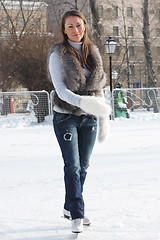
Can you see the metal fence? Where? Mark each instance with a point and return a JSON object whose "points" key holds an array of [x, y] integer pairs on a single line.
{"points": [[36, 106], [128, 100], [51, 101]]}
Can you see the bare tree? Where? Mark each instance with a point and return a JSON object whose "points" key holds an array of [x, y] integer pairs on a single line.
{"points": [[147, 46], [21, 18], [97, 27], [26, 65], [127, 42], [148, 54], [57, 8], [123, 39], [24, 52]]}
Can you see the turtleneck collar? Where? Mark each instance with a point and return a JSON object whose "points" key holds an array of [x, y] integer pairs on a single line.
{"points": [[78, 48], [75, 45]]}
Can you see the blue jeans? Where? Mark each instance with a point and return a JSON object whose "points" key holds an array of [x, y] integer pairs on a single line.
{"points": [[76, 137]]}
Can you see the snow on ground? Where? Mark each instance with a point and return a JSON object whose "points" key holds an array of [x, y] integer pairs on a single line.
{"points": [[122, 191]]}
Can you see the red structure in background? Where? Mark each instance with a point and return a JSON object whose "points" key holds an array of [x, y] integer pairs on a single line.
{"points": [[12, 105]]}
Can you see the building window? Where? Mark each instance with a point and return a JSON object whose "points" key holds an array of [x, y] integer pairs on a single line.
{"points": [[115, 31], [157, 32], [130, 31], [117, 51], [132, 70], [129, 12], [131, 51], [115, 11], [158, 70], [142, 12], [109, 12], [158, 14], [100, 10]]}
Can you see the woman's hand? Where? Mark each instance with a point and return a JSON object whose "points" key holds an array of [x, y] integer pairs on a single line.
{"points": [[95, 106]]}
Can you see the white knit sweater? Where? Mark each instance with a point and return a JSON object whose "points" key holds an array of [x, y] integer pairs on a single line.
{"points": [[62, 91]]}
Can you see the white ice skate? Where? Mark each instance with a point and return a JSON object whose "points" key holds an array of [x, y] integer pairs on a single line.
{"points": [[77, 225], [86, 221]]}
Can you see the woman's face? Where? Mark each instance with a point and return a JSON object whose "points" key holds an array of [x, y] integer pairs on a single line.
{"points": [[74, 28]]}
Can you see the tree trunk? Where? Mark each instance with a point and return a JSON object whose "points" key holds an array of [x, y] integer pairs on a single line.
{"points": [[76, 6], [96, 24], [148, 56], [126, 43]]}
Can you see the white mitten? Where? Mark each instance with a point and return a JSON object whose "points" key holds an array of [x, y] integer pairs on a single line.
{"points": [[103, 128], [95, 106]]}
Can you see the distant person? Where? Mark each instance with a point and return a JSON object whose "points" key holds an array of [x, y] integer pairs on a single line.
{"points": [[76, 70]]}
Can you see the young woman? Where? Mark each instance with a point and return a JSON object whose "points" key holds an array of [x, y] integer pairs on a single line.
{"points": [[76, 70]]}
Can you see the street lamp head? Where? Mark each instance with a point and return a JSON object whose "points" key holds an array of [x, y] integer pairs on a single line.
{"points": [[110, 45]]}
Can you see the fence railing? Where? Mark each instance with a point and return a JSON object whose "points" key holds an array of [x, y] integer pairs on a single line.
{"points": [[125, 100], [37, 105]]}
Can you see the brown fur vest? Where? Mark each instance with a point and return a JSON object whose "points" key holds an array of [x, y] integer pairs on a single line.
{"points": [[75, 79]]}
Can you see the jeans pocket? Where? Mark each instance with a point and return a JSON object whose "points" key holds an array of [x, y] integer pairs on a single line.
{"points": [[61, 117], [93, 118]]}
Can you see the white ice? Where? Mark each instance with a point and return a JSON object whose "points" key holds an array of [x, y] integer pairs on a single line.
{"points": [[122, 190]]}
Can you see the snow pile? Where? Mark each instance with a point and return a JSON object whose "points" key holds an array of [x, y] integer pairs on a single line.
{"points": [[21, 120]]}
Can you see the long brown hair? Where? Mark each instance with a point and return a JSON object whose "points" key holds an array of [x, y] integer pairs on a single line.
{"points": [[87, 46]]}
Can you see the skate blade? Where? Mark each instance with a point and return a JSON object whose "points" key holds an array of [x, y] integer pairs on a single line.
{"points": [[76, 234], [69, 218]]}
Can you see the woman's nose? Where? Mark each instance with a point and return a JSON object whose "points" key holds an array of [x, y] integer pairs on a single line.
{"points": [[75, 29]]}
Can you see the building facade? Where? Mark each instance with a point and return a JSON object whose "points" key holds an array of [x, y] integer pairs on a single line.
{"points": [[123, 20]]}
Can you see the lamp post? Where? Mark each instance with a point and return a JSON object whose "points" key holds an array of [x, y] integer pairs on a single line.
{"points": [[110, 46], [114, 76]]}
